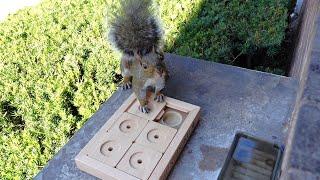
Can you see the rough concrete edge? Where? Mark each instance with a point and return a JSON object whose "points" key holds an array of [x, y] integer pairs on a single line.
{"points": [[299, 70], [229, 66], [303, 40], [294, 173]]}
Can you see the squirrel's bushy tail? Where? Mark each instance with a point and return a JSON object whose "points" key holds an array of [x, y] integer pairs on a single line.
{"points": [[135, 27]]}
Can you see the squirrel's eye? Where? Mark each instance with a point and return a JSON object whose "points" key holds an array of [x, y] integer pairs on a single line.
{"points": [[128, 52]]}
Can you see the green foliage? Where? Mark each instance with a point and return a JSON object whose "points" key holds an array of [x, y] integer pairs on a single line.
{"points": [[257, 24], [222, 30], [55, 71], [205, 34], [56, 67]]}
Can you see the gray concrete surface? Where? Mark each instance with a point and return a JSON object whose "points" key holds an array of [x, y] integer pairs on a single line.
{"points": [[303, 40], [302, 159], [232, 99]]}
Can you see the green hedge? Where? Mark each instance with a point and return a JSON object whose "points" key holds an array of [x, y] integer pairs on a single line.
{"points": [[56, 68], [222, 31]]}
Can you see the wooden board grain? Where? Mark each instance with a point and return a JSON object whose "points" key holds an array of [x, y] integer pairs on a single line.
{"points": [[141, 159]]}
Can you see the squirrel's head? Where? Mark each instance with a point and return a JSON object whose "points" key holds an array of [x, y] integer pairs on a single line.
{"points": [[151, 62]]}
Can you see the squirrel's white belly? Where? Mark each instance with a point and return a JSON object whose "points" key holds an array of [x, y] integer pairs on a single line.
{"points": [[157, 82]]}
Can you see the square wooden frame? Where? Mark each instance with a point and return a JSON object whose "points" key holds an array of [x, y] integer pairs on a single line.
{"points": [[169, 157]]}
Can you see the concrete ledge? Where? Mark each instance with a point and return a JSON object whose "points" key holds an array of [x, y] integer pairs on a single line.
{"points": [[232, 99], [304, 39], [302, 156]]}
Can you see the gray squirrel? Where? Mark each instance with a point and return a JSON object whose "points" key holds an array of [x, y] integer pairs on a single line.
{"points": [[136, 33]]}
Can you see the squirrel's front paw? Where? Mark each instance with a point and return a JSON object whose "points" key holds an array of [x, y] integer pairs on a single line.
{"points": [[144, 109], [125, 85], [159, 98]]}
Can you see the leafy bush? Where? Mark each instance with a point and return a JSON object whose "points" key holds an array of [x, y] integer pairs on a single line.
{"points": [[55, 71], [257, 24], [221, 31], [56, 68]]}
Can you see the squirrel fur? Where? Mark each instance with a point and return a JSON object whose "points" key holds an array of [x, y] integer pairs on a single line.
{"points": [[136, 33]]}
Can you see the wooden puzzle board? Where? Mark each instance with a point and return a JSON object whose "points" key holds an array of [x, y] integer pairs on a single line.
{"points": [[133, 145]]}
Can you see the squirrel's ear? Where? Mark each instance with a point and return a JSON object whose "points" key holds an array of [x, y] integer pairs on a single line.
{"points": [[137, 57]]}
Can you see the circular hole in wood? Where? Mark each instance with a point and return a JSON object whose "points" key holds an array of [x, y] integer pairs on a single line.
{"points": [[172, 119], [136, 159], [108, 148], [128, 126], [153, 135]]}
